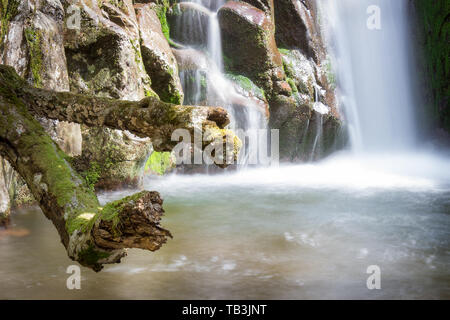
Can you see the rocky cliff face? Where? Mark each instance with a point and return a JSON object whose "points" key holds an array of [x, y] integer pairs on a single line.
{"points": [[128, 49], [278, 45]]}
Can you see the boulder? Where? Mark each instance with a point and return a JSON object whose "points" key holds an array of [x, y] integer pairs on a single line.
{"points": [[193, 66], [265, 5], [104, 58], [157, 56], [248, 39]]}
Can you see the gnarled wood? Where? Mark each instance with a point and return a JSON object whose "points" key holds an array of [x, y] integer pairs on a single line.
{"points": [[92, 234], [148, 117]]}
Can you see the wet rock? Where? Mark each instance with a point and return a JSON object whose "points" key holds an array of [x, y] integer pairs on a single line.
{"points": [[13, 191], [190, 59], [249, 45], [104, 55], [296, 27], [33, 45], [248, 93], [189, 23], [309, 123], [112, 159], [193, 68], [158, 58]]}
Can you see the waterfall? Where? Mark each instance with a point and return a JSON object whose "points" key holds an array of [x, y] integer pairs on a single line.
{"points": [[371, 60], [208, 84]]}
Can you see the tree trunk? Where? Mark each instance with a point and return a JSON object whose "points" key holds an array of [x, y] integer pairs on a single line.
{"points": [[93, 235]]}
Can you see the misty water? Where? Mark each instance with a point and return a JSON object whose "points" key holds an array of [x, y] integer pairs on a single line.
{"points": [[304, 231], [296, 232]]}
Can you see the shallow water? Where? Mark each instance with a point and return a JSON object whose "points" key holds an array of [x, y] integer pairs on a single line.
{"points": [[299, 232]]}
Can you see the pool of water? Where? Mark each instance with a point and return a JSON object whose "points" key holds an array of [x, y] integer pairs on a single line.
{"points": [[297, 232]]}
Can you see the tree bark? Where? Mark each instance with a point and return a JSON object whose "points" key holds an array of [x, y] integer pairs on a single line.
{"points": [[93, 235]]}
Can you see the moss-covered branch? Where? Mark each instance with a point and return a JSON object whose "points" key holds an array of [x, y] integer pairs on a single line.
{"points": [[149, 117], [93, 235]]}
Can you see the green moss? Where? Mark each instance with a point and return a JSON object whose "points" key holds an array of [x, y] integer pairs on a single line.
{"points": [[159, 163], [246, 84], [161, 12], [331, 76], [47, 155], [137, 51], [82, 222], [8, 10], [151, 93], [33, 38], [283, 51], [92, 175], [292, 85], [173, 96]]}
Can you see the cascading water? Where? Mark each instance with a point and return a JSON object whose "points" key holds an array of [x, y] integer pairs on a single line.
{"points": [[207, 84], [372, 67]]}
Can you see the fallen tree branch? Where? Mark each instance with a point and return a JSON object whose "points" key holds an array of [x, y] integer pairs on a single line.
{"points": [[148, 117], [92, 234]]}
